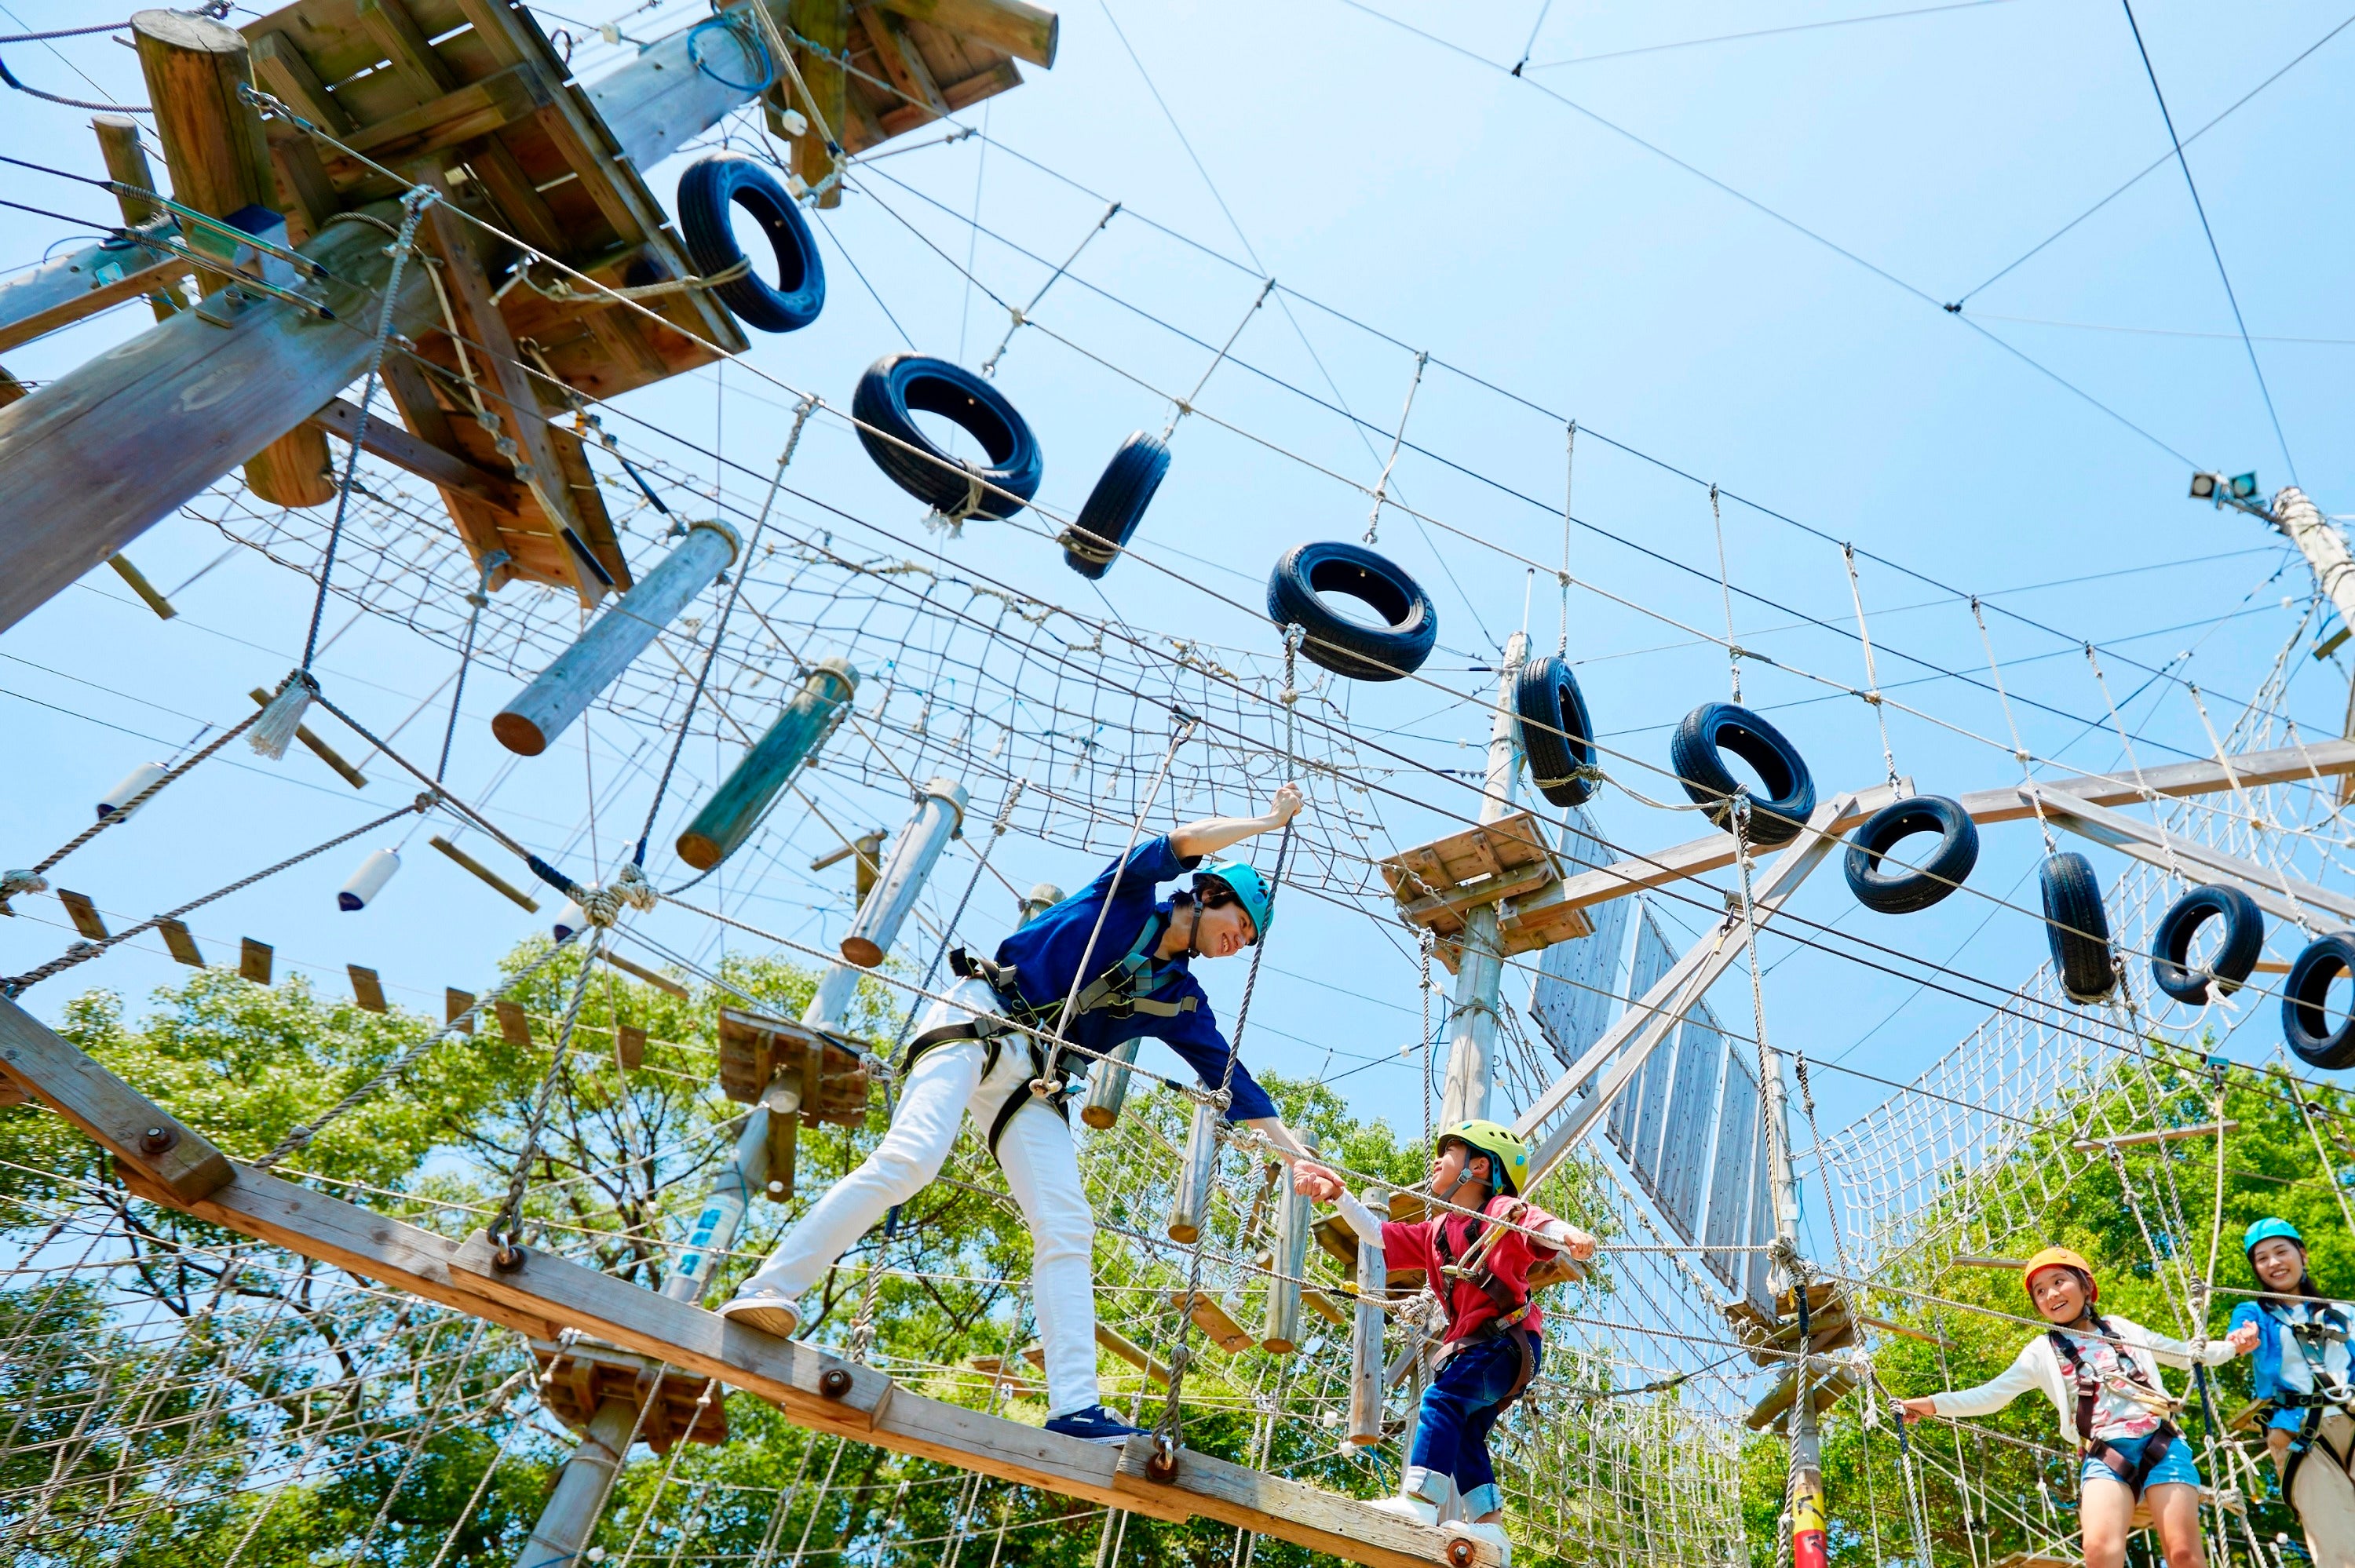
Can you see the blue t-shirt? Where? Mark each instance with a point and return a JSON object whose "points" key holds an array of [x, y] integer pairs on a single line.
{"points": [[1046, 954], [2269, 1377]]}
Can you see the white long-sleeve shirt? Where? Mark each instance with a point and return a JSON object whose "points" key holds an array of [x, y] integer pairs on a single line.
{"points": [[2037, 1367]]}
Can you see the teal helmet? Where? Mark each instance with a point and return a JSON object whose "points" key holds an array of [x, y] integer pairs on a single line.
{"points": [[2267, 1229], [1250, 891]]}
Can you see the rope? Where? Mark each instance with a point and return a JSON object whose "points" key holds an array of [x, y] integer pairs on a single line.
{"points": [[2018, 750], [1872, 678], [82, 952], [9, 77], [120, 814], [1382, 484], [1185, 406], [506, 1231], [477, 601], [1569, 477], [1725, 591]]}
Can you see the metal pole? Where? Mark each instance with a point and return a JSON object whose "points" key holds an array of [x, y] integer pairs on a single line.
{"points": [[571, 1514], [1480, 974], [1805, 1514], [2322, 544]]}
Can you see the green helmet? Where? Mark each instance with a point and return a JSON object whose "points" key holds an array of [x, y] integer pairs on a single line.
{"points": [[2267, 1229], [1509, 1154], [1250, 892]]}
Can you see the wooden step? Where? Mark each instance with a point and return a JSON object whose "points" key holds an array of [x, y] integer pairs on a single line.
{"points": [[1506, 864], [575, 1379]]}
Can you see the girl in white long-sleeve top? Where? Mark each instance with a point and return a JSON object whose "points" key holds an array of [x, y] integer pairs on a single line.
{"points": [[2101, 1375]]}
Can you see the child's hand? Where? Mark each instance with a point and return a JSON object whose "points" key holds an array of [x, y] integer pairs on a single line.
{"points": [[1579, 1244], [1315, 1181], [1912, 1410], [2242, 1339]]}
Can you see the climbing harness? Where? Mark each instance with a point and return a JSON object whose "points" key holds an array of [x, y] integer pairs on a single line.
{"points": [[1513, 1307], [2134, 1473]]}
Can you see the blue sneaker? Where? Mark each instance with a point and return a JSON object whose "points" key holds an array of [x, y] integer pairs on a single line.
{"points": [[1095, 1425]]}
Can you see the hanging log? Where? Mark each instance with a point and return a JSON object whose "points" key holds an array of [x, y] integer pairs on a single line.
{"points": [[219, 160], [940, 817], [126, 164], [546, 708], [1280, 1334], [1190, 1209], [727, 820], [1108, 1085], [1366, 1367]]}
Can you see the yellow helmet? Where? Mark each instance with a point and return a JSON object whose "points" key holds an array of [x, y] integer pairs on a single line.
{"points": [[2060, 1258], [1509, 1154]]}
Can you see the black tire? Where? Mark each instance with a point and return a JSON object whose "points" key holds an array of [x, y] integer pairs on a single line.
{"points": [[899, 383], [1927, 878], [1556, 735], [2235, 961], [1335, 643], [1116, 506], [705, 192], [1723, 726], [2077, 929], [2305, 1019]]}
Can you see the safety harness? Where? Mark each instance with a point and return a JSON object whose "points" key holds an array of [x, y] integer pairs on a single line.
{"points": [[2134, 1473], [1513, 1305], [2313, 1339], [1124, 991]]}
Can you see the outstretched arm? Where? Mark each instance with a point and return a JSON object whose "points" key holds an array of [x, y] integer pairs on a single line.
{"points": [[1212, 834]]}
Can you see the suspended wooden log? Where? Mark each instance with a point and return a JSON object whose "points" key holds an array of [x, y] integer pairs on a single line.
{"points": [[1281, 1332], [1041, 897], [1366, 1349], [484, 872], [727, 820], [1189, 1211], [940, 817], [367, 881], [546, 708], [135, 783], [1108, 1085]]}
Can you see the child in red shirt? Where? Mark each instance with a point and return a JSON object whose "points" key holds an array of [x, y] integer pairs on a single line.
{"points": [[1491, 1347]]}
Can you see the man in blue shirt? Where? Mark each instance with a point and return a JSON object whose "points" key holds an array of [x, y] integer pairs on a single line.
{"points": [[1103, 968]]}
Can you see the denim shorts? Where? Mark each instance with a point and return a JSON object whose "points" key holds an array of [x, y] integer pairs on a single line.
{"points": [[2175, 1466]]}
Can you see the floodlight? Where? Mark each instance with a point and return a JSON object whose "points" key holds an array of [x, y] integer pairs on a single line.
{"points": [[2203, 487], [2244, 486]]}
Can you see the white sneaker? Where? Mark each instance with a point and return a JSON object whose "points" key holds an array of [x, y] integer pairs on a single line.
{"points": [[1494, 1534], [1413, 1510], [771, 1314]]}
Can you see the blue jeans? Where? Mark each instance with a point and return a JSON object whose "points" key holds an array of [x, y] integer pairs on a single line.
{"points": [[1451, 1435]]}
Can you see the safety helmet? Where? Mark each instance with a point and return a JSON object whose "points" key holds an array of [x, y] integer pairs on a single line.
{"points": [[2267, 1229], [2060, 1257], [1239, 878], [1508, 1153]]}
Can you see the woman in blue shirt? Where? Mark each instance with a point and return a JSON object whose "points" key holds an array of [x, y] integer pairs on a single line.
{"points": [[1103, 968], [2301, 1375]]}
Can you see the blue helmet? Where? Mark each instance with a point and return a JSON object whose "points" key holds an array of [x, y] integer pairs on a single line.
{"points": [[1250, 892], [2268, 1229]]}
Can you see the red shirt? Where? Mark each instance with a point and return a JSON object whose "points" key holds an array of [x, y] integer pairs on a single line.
{"points": [[1510, 1257]]}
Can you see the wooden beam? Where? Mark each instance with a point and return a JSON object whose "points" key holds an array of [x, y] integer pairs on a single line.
{"points": [[516, 398], [899, 59], [424, 458], [316, 747], [1023, 30], [461, 116], [172, 1160], [395, 32], [2280, 895], [93, 459], [287, 73], [484, 872], [480, 518], [2281, 765], [661, 982], [1003, 77], [60, 293], [826, 24], [126, 164], [219, 159]]}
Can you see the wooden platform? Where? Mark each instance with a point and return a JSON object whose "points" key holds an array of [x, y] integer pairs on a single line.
{"points": [[1505, 863], [469, 94], [575, 1379], [828, 1073], [544, 1296]]}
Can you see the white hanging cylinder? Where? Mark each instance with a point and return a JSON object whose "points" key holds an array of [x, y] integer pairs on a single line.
{"points": [[1366, 1367], [1038, 901], [1108, 1085], [367, 881], [545, 709], [1190, 1210], [1280, 1334], [117, 801], [571, 918], [940, 817]]}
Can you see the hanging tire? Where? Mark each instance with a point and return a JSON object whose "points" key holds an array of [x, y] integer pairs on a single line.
{"points": [[1116, 506], [1556, 735], [706, 191], [1927, 878], [900, 384], [2306, 1015], [1693, 756], [1387, 652], [2077, 929], [2236, 958]]}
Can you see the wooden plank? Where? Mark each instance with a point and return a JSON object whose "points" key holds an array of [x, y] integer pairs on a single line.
{"points": [[515, 1028], [455, 1004], [94, 458], [316, 747], [284, 71], [1004, 77], [1023, 30], [899, 59], [661, 982], [1127, 1350], [180, 942], [826, 24], [84, 914], [253, 961], [463, 114], [173, 1161], [126, 164], [1429, 909], [367, 989], [396, 33], [629, 1047], [1218, 1324], [71, 288], [484, 872], [480, 519], [446, 469]]}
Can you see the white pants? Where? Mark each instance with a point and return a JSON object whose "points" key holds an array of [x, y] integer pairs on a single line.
{"points": [[1040, 1167], [2325, 1498]]}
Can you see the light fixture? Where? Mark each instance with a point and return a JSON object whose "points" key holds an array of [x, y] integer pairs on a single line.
{"points": [[2203, 487], [2244, 486]]}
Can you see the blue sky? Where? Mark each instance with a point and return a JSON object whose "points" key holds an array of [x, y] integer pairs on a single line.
{"points": [[1726, 262]]}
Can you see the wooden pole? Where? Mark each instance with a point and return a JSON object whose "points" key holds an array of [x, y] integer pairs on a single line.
{"points": [[1108, 1086], [545, 709], [1023, 30], [1189, 1211], [727, 820], [1280, 1334], [1480, 977], [826, 24], [126, 164], [219, 160], [1365, 1347], [570, 1517], [940, 817], [92, 460]]}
